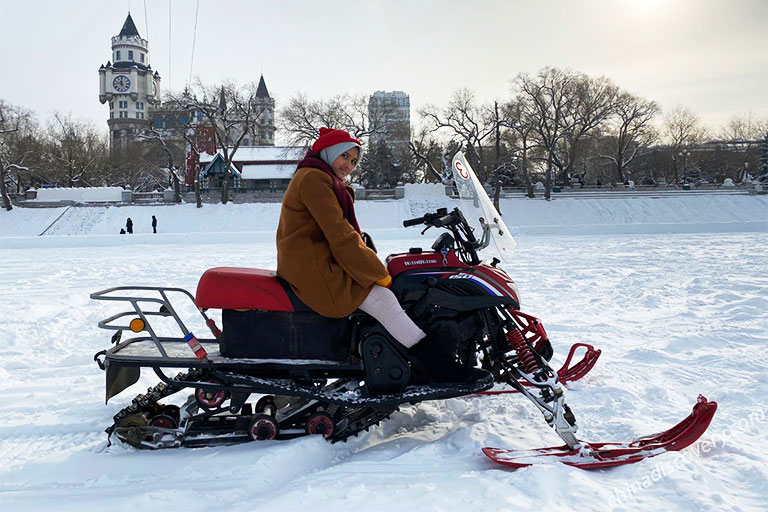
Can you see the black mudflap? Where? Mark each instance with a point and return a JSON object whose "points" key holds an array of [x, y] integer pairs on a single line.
{"points": [[270, 334], [119, 378]]}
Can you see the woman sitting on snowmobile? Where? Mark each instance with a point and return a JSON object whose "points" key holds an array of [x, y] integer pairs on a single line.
{"points": [[322, 255]]}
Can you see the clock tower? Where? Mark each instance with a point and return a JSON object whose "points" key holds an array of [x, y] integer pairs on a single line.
{"points": [[129, 85]]}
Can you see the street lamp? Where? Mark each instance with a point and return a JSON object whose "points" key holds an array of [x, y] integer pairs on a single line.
{"points": [[685, 154]]}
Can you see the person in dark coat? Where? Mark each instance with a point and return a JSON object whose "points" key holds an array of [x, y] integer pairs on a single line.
{"points": [[129, 226], [154, 224]]}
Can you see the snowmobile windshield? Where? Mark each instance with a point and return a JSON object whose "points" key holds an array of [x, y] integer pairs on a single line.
{"points": [[480, 212]]}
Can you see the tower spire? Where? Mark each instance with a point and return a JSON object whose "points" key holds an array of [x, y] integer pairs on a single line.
{"points": [[261, 90], [129, 27]]}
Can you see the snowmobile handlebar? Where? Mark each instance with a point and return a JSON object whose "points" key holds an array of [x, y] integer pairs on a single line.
{"points": [[439, 219], [455, 222], [413, 222]]}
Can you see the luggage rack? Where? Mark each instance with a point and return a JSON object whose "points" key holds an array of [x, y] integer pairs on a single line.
{"points": [[123, 361], [166, 310]]}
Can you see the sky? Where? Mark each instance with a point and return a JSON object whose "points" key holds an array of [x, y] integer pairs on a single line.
{"points": [[707, 55]]}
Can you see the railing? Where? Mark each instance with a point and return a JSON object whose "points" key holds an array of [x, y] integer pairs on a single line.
{"points": [[147, 197], [380, 193], [620, 190]]}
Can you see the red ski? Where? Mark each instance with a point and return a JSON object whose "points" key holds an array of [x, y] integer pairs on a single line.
{"points": [[603, 455], [565, 374]]}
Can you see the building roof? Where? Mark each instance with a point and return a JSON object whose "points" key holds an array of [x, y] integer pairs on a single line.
{"points": [[127, 64], [129, 28], [268, 171], [274, 154], [261, 90], [217, 168]]}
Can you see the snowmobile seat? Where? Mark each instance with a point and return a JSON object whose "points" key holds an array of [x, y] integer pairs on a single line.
{"points": [[263, 318], [242, 289]]}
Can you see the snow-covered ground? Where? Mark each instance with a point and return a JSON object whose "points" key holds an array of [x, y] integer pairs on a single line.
{"points": [[675, 315], [561, 216]]}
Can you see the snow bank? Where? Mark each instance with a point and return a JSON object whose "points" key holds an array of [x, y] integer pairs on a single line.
{"points": [[637, 215], [216, 223], [81, 194], [415, 190]]}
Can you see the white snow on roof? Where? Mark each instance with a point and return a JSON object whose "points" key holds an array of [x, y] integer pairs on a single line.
{"points": [[263, 154], [268, 171]]}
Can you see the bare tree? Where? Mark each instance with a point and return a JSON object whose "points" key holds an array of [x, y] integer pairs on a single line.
{"points": [[15, 124], [427, 156], [745, 126], [521, 134], [232, 112], [681, 129], [196, 145], [464, 119], [173, 171], [136, 166], [550, 100], [593, 102], [302, 118], [76, 149], [630, 130]]}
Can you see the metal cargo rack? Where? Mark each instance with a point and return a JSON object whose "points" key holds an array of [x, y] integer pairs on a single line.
{"points": [[123, 361]]}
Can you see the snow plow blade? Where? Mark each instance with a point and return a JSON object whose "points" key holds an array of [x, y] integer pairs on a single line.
{"points": [[565, 374], [604, 455]]}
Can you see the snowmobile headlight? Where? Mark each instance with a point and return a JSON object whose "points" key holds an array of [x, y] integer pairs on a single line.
{"points": [[137, 325]]}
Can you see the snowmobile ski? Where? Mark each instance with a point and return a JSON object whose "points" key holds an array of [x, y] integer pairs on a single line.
{"points": [[604, 455]]}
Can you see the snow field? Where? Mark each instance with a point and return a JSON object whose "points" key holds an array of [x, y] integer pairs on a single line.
{"points": [[525, 217], [675, 315]]}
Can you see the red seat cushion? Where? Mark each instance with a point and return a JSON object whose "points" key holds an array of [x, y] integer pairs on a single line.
{"points": [[241, 288]]}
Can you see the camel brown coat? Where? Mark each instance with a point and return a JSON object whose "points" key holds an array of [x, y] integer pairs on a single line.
{"points": [[319, 253]]}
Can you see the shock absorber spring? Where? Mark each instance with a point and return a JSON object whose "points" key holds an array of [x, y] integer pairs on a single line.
{"points": [[523, 351]]}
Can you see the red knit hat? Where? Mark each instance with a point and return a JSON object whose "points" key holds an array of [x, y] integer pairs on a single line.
{"points": [[329, 137]]}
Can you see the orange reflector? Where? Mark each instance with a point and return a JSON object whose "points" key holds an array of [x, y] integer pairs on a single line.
{"points": [[137, 325]]}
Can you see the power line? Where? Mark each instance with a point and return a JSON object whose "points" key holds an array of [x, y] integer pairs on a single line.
{"points": [[169, 44], [194, 37], [146, 23]]}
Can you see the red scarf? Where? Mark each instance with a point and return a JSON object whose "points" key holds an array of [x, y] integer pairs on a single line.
{"points": [[339, 189]]}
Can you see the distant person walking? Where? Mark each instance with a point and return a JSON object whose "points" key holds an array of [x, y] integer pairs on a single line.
{"points": [[129, 226], [154, 224]]}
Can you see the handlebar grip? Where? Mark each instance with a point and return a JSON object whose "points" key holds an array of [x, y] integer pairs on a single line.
{"points": [[413, 222]]}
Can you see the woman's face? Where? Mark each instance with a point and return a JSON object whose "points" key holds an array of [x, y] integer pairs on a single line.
{"points": [[345, 163]]}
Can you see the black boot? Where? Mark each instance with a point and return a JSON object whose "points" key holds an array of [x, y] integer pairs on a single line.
{"points": [[436, 355]]}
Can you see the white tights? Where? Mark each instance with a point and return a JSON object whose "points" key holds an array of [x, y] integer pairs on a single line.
{"points": [[382, 305]]}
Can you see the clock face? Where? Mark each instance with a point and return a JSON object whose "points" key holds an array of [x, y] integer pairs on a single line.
{"points": [[121, 83]]}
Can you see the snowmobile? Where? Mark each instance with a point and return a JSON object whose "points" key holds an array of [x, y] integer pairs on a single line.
{"points": [[278, 370]]}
